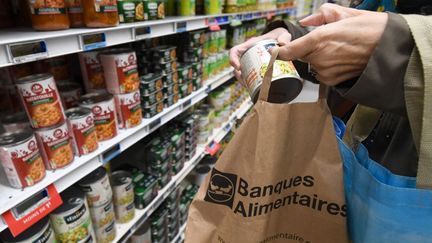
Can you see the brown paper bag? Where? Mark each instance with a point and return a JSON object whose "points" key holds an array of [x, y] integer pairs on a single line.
{"points": [[278, 180]]}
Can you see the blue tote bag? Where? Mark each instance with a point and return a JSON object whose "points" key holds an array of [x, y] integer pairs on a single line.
{"points": [[382, 207]]}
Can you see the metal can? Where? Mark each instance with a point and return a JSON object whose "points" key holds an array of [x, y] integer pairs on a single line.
{"points": [[151, 99], [92, 72], [286, 84], [106, 234], [126, 11], [150, 111], [40, 232], [129, 109], [166, 67], [70, 93], [21, 159], [15, 122], [41, 100], [56, 146], [103, 219], [124, 213], [122, 186], [104, 114], [71, 221], [82, 129], [97, 187], [165, 53], [58, 67], [150, 83], [120, 70]]}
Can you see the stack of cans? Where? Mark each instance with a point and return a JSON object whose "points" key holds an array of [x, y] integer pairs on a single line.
{"points": [[190, 126], [158, 160], [159, 226], [172, 205]]}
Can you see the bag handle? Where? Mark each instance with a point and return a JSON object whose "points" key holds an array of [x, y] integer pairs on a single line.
{"points": [[265, 87]]}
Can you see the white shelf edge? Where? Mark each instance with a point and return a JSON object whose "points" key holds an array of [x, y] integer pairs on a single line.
{"points": [[179, 234]]}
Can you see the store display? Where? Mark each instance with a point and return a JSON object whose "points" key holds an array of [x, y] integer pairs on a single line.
{"points": [[92, 71], [82, 129], [97, 187], [15, 122], [129, 110], [39, 232], [99, 13], [49, 15]]}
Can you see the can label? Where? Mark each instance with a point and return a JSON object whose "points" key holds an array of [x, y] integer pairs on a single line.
{"points": [[106, 233], [41, 7], [105, 119], [124, 213], [102, 216], [42, 103], [129, 109], [98, 193], [121, 72], [103, 6], [71, 98], [124, 194], [84, 132], [92, 71], [23, 164], [58, 68]]}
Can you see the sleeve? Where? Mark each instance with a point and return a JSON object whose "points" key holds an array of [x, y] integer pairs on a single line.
{"points": [[381, 83]]}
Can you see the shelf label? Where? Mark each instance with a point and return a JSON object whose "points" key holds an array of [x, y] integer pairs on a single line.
{"points": [[110, 153], [222, 20], [154, 124], [32, 210], [142, 32], [236, 21], [208, 89], [213, 24], [181, 26], [227, 128], [27, 52], [247, 17], [186, 104], [212, 148], [93, 41]]}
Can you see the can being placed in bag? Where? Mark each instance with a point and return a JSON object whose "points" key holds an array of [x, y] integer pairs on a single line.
{"points": [[286, 84]]}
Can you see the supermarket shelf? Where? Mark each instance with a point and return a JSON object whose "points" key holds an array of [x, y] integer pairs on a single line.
{"points": [[125, 231], [180, 234], [62, 42], [63, 178]]}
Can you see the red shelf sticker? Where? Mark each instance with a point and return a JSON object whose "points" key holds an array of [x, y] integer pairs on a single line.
{"points": [[213, 148], [18, 225]]}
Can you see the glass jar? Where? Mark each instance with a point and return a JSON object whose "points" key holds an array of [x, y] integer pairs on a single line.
{"points": [[75, 13], [100, 13], [48, 15]]}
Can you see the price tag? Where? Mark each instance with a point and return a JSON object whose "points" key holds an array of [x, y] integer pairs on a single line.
{"points": [[213, 148], [213, 24], [27, 52], [223, 20], [208, 89], [227, 127], [154, 124], [93, 41], [181, 27], [247, 16], [142, 32], [186, 104], [111, 153], [236, 21]]}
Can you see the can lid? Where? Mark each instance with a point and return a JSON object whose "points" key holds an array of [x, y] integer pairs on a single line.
{"points": [[67, 86], [121, 177], [20, 117], [6, 235], [77, 112], [72, 198], [34, 78], [93, 98], [93, 176], [15, 138]]}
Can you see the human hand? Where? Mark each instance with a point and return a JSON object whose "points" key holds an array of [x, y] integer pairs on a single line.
{"points": [[281, 35], [340, 48]]}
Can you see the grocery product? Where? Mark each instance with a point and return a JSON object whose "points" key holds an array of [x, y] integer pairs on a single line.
{"points": [[286, 83], [145, 189], [122, 186], [120, 70], [56, 146], [41, 100], [75, 13], [100, 13], [71, 221], [70, 94], [171, 100], [152, 110], [92, 72], [126, 11], [15, 122], [58, 67], [166, 67], [129, 110], [104, 114], [82, 129], [21, 159], [154, 9], [142, 235], [164, 53], [186, 7], [97, 187], [40, 232], [151, 99], [48, 15], [106, 234], [124, 213], [103, 219], [150, 83]]}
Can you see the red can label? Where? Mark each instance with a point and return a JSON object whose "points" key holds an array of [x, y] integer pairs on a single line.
{"points": [[121, 72], [92, 71], [84, 132], [71, 98], [105, 119], [129, 109]]}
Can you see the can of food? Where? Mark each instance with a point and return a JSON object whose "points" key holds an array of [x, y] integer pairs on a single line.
{"points": [[166, 67], [58, 67], [286, 84], [82, 129], [185, 72], [145, 191], [103, 215], [128, 108], [139, 10], [106, 233], [124, 213], [126, 11], [150, 111], [21, 159], [91, 69], [197, 68], [151, 99], [165, 53], [192, 55], [40, 232], [70, 93], [171, 100], [15, 122], [71, 221], [104, 114], [122, 186], [120, 70], [56, 146], [41, 100], [97, 187], [170, 89], [170, 78], [150, 83]]}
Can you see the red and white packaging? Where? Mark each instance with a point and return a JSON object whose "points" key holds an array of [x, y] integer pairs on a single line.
{"points": [[129, 109], [92, 71], [82, 129]]}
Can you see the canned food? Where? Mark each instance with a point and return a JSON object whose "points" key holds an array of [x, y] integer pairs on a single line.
{"points": [[151, 99], [139, 10], [97, 187], [164, 180], [170, 89], [15, 122], [192, 55], [186, 8], [129, 109], [71, 221], [40, 232], [286, 84], [185, 72], [104, 114], [150, 111], [123, 189], [92, 72], [171, 100], [150, 83], [41, 100], [120, 70], [56, 146], [103, 215], [197, 69], [21, 159], [106, 234], [57, 66], [196, 83], [124, 213], [82, 129], [126, 11], [70, 93], [170, 78], [166, 67], [165, 53], [145, 191]]}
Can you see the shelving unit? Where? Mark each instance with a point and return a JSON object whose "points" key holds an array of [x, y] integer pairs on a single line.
{"points": [[180, 234]]}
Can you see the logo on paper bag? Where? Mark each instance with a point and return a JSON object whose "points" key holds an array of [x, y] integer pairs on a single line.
{"points": [[221, 188]]}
